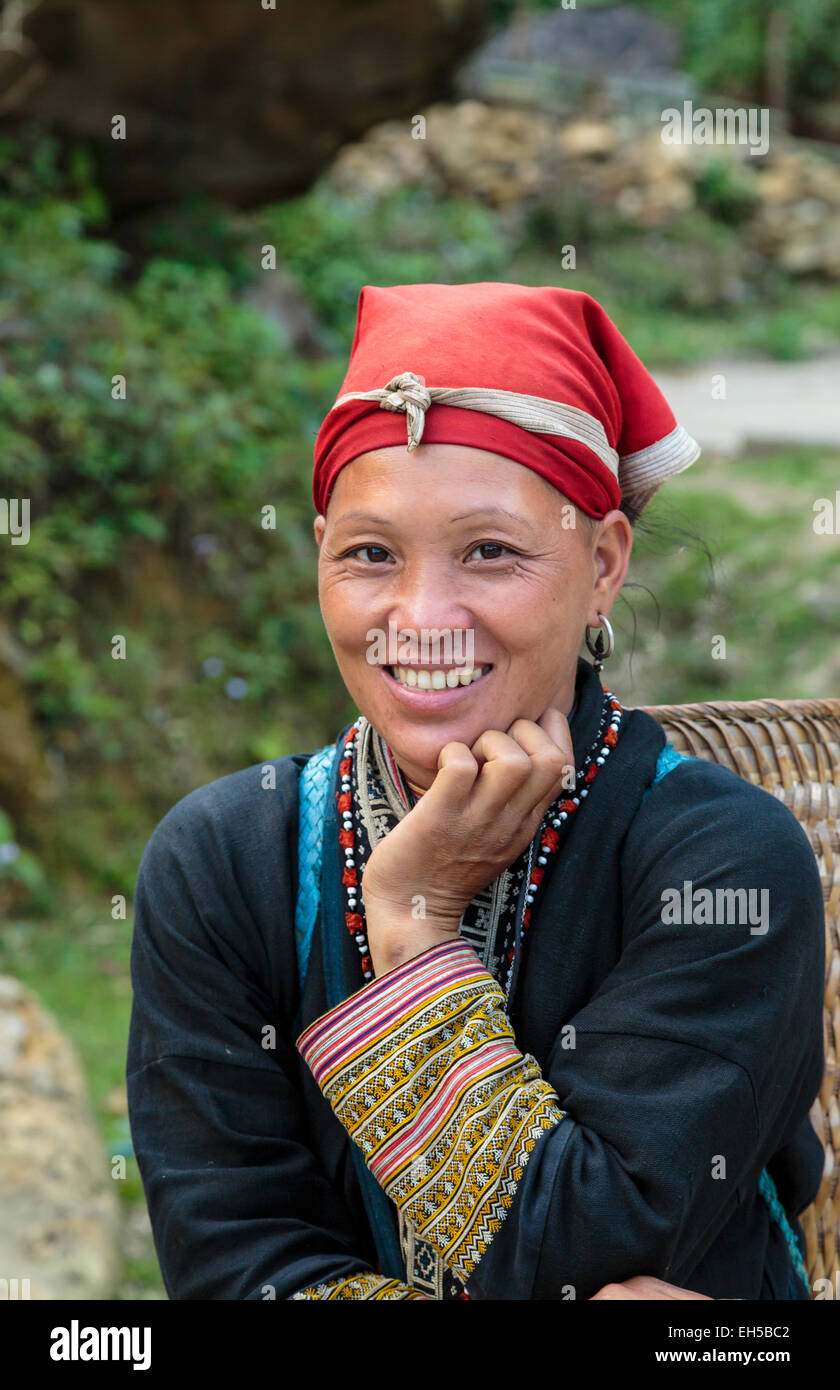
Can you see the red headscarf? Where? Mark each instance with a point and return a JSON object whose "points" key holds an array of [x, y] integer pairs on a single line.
{"points": [[537, 374]]}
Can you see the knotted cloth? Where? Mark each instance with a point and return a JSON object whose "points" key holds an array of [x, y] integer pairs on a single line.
{"points": [[538, 374]]}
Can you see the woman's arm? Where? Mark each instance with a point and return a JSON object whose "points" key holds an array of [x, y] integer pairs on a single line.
{"points": [[687, 1070], [241, 1207]]}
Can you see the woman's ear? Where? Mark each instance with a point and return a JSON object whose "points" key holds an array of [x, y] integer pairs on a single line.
{"points": [[611, 552], [319, 525]]}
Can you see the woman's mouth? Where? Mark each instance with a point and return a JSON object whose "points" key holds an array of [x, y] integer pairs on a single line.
{"points": [[434, 687]]}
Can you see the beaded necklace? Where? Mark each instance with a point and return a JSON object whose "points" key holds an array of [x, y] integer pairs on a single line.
{"points": [[547, 837]]}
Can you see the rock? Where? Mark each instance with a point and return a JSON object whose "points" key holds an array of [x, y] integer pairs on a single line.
{"points": [[495, 153], [576, 47], [388, 158], [510, 156], [241, 102], [656, 204], [781, 182], [59, 1210], [590, 139]]}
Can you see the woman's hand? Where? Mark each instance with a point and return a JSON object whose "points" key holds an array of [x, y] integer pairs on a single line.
{"points": [[484, 806], [646, 1288]]}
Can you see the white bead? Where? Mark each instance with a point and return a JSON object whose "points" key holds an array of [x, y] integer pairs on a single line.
{"points": [[542, 859], [585, 791], [599, 761]]}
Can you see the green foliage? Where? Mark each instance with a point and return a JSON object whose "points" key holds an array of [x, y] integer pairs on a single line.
{"points": [[725, 45], [23, 882], [723, 191], [333, 244], [147, 512]]}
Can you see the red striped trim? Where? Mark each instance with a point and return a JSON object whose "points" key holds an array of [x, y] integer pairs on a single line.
{"points": [[330, 1039], [433, 1114]]}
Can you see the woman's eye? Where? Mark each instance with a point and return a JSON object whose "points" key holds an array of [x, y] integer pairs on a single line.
{"points": [[359, 548], [494, 546]]}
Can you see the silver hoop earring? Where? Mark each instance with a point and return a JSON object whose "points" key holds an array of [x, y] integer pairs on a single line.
{"points": [[597, 648]]}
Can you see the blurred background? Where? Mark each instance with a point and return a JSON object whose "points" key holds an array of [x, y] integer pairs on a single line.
{"points": [[191, 196]]}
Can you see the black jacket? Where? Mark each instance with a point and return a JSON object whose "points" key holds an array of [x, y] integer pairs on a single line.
{"points": [[695, 1055]]}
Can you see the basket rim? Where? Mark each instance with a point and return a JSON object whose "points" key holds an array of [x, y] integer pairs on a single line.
{"points": [[751, 711]]}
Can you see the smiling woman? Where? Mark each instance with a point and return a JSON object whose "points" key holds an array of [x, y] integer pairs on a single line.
{"points": [[489, 1063]]}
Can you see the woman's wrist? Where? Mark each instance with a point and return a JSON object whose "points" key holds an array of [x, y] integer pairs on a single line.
{"points": [[395, 936]]}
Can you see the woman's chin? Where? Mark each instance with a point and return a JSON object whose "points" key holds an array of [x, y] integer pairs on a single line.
{"points": [[414, 737]]}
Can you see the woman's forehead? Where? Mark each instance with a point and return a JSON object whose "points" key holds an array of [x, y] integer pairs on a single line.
{"points": [[435, 476]]}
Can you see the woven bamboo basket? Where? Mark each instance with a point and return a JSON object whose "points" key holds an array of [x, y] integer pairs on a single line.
{"points": [[792, 749]]}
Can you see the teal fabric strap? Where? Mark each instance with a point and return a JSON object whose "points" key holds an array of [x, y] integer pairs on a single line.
{"points": [[767, 1188], [668, 759], [312, 788]]}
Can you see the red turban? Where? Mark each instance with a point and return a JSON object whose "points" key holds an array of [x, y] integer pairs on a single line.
{"points": [[537, 374]]}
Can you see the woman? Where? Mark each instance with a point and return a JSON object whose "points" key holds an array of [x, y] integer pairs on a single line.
{"points": [[561, 1023]]}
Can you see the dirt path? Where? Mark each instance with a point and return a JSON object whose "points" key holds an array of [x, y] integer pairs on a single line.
{"points": [[766, 403]]}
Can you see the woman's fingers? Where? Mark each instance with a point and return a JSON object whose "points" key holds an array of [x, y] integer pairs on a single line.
{"points": [[505, 767], [551, 760], [453, 784], [556, 725], [504, 778], [647, 1288], [522, 770]]}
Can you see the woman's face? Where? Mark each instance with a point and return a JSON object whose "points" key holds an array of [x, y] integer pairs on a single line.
{"points": [[469, 542]]}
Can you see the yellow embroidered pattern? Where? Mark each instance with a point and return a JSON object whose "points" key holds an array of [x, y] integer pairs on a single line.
{"points": [[361, 1287], [425, 1075]]}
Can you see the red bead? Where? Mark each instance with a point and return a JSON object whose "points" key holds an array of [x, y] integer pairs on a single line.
{"points": [[354, 922], [350, 877], [345, 838], [591, 771], [345, 801], [537, 875]]}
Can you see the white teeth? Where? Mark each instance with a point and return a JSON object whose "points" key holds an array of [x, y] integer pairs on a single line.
{"points": [[437, 680]]}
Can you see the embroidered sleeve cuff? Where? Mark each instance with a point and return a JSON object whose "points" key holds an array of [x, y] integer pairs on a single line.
{"points": [[360, 1287], [422, 1069]]}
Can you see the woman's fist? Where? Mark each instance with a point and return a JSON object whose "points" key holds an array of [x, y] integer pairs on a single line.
{"points": [[484, 806]]}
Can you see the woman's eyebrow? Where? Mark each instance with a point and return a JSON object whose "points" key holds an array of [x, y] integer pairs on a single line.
{"points": [[462, 516], [492, 511]]}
